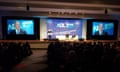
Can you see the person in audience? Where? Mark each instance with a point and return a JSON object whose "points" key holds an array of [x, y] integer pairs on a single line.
{"points": [[17, 29], [82, 57], [101, 30]]}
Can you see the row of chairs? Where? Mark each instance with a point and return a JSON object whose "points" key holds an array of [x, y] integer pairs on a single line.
{"points": [[83, 57], [12, 53]]}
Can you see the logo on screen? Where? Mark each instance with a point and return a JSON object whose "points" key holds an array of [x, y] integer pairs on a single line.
{"points": [[63, 25]]}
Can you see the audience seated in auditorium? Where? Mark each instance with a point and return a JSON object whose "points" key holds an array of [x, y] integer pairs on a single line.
{"points": [[12, 53], [83, 57]]}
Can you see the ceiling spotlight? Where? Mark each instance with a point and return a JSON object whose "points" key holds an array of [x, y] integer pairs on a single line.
{"points": [[76, 13], [69, 13], [58, 13], [62, 12], [50, 13]]}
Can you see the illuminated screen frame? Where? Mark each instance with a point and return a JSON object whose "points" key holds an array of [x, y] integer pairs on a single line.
{"points": [[27, 26], [7, 36], [90, 35]]}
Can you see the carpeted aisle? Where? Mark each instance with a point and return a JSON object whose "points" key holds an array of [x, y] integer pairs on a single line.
{"points": [[34, 63]]}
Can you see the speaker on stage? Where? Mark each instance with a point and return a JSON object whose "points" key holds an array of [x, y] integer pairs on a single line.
{"points": [[49, 34]]}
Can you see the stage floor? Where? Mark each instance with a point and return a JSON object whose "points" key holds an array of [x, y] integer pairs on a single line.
{"points": [[48, 41], [43, 44]]}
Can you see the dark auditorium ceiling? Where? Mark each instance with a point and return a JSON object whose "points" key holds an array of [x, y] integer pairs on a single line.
{"points": [[112, 2], [66, 6]]}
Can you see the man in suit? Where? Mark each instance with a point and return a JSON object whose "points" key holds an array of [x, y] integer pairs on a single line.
{"points": [[101, 30], [17, 29]]}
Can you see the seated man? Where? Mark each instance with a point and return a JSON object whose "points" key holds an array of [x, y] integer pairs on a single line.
{"points": [[73, 36], [67, 35]]}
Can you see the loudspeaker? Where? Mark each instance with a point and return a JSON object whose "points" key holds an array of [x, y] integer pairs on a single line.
{"points": [[27, 7], [106, 11]]}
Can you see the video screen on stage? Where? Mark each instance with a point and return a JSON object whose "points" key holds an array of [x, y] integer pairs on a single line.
{"points": [[63, 26], [20, 27], [103, 28]]}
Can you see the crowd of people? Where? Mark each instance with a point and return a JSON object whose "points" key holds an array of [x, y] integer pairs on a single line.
{"points": [[12, 53], [83, 57]]}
